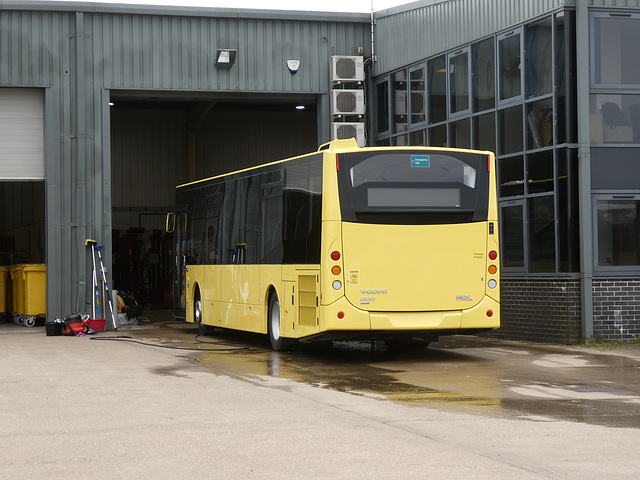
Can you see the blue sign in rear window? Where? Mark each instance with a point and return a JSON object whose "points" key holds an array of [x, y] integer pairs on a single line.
{"points": [[420, 161]]}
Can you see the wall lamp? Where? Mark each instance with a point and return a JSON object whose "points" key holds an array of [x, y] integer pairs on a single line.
{"points": [[226, 57]]}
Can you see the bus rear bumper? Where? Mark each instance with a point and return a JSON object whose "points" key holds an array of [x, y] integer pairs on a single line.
{"points": [[483, 316]]}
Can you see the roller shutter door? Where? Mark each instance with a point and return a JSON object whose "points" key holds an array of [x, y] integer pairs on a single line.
{"points": [[21, 134]]}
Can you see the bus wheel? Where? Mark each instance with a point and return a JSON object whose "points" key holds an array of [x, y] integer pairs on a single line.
{"points": [[278, 343], [197, 315]]}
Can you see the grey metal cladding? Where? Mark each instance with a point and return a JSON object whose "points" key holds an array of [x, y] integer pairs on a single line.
{"points": [[178, 53], [432, 28], [131, 51]]}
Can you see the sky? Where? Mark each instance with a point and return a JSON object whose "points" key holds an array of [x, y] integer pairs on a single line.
{"points": [[360, 6]]}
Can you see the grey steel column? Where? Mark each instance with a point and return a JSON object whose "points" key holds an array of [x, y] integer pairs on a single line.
{"points": [[584, 168]]}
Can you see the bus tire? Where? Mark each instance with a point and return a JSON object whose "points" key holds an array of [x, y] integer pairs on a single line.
{"points": [[197, 315], [278, 342]]}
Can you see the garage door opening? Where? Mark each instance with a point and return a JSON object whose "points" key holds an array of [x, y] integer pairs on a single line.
{"points": [[22, 250], [159, 143]]}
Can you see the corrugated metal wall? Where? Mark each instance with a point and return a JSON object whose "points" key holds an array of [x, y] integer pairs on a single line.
{"points": [[179, 53], [409, 36], [216, 154], [614, 3], [148, 152], [80, 53]]}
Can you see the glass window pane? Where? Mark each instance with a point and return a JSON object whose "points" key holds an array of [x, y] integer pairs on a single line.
{"points": [[459, 82], [512, 236], [510, 130], [540, 172], [539, 62], [400, 106], [563, 98], [540, 124], [382, 106], [484, 132], [460, 134], [437, 85], [614, 118], [483, 74], [399, 141], [618, 232], [418, 138], [509, 66], [438, 136], [542, 235], [510, 177], [616, 59], [568, 228], [418, 105]]}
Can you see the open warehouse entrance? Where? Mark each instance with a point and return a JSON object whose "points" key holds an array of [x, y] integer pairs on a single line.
{"points": [[159, 142], [22, 203]]}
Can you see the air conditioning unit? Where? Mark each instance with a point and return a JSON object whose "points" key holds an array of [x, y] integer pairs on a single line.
{"points": [[347, 69], [341, 131], [347, 102]]}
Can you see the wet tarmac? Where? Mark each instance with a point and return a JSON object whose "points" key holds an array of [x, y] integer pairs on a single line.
{"points": [[459, 374]]}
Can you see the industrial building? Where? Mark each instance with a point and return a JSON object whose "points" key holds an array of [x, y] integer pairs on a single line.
{"points": [[105, 108]]}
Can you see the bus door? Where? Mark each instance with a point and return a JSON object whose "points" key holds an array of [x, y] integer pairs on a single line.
{"points": [[177, 225]]}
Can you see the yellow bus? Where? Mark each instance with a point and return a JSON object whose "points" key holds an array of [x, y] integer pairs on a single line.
{"points": [[347, 243]]}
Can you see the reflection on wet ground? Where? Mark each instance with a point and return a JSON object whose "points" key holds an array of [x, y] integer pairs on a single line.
{"points": [[461, 374]]}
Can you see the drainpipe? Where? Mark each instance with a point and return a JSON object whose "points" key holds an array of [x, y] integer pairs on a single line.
{"points": [[79, 146], [584, 169], [373, 54]]}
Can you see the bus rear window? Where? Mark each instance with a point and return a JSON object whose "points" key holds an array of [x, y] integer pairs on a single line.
{"points": [[422, 186]]}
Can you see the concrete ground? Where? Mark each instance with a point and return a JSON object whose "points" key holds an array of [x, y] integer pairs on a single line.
{"points": [[74, 407]]}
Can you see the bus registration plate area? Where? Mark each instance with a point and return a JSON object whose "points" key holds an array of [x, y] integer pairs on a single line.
{"points": [[415, 320]]}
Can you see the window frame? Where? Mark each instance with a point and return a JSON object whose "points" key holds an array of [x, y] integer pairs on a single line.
{"points": [[451, 115], [519, 31], [423, 123], [522, 203], [594, 58], [609, 196]]}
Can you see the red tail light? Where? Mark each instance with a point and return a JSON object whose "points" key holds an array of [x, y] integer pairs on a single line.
{"points": [[493, 254], [335, 256]]}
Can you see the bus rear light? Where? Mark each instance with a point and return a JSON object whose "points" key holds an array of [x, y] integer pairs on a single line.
{"points": [[336, 270], [492, 284], [340, 315], [493, 254], [489, 313], [337, 284], [493, 269], [335, 256]]}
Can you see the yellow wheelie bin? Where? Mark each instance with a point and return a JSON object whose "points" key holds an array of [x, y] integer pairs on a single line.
{"points": [[17, 299], [5, 309], [33, 284]]}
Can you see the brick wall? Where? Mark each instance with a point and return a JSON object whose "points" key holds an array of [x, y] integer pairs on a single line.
{"points": [[616, 309], [540, 310]]}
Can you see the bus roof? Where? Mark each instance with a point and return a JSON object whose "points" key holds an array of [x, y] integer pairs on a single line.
{"points": [[334, 145], [349, 144]]}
